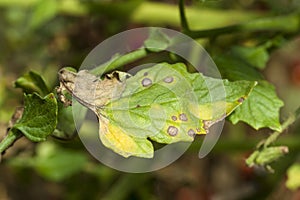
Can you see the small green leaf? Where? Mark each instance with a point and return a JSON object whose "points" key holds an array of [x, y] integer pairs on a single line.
{"points": [[255, 56], [157, 41], [293, 180], [261, 109], [39, 117], [32, 82]]}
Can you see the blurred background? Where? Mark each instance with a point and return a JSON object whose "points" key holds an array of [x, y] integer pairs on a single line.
{"points": [[46, 35]]}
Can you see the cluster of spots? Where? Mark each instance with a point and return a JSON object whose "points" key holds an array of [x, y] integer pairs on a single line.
{"points": [[173, 131], [147, 81], [182, 117]]}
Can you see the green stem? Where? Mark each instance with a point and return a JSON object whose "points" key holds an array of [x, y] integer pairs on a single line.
{"points": [[121, 61], [183, 20], [274, 136], [288, 23], [8, 140]]}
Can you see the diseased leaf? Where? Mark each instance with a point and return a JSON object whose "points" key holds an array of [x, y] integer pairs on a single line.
{"points": [[32, 82], [164, 103], [261, 109], [39, 117], [293, 180]]}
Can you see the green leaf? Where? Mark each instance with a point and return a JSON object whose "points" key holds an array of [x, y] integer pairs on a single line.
{"points": [[165, 103], [254, 56], [261, 109], [32, 82], [39, 117], [235, 69], [157, 41], [293, 180]]}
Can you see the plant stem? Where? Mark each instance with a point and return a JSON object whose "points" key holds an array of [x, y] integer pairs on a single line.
{"points": [[290, 120], [8, 140], [183, 20], [121, 61], [282, 23], [289, 23]]}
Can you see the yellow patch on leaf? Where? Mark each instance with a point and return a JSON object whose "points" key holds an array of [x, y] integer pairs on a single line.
{"points": [[122, 143]]}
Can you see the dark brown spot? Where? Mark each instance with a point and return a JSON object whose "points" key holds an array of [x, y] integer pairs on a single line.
{"points": [[240, 100], [169, 79], [172, 131], [191, 133], [137, 106], [174, 118], [146, 82], [146, 74], [183, 117]]}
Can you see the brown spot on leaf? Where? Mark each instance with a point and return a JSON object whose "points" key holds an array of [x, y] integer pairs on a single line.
{"points": [[146, 82], [191, 133], [146, 74], [169, 79], [172, 131], [174, 118], [241, 100], [183, 117]]}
